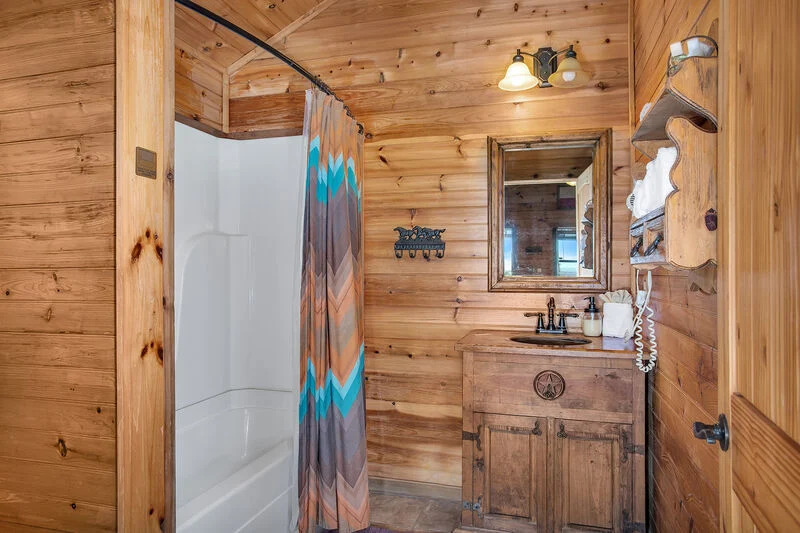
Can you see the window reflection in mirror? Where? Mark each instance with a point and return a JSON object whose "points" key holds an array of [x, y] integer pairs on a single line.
{"points": [[545, 192], [543, 213]]}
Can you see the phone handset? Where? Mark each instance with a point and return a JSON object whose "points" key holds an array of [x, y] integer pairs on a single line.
{"points": [[643, 304]]}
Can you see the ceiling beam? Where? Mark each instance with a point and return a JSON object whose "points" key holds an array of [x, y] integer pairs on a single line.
{"points": [[290, 28]]}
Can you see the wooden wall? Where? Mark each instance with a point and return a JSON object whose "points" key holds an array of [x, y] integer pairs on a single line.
{"points": [[422, 76], [684, 476], [534, 214], [57, 380]]}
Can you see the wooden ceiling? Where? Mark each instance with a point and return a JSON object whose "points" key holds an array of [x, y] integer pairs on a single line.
{"points": [[550, 163], [221, 47], [407, 57], [206, 53], [403, 59]]}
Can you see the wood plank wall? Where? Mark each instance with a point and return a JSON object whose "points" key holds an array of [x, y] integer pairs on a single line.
{"points": [[684, 477], [422, 76], [57, 378], [203, 51]]}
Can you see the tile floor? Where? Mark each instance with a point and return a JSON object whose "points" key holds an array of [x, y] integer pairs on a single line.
{"points": [[413, 513]]}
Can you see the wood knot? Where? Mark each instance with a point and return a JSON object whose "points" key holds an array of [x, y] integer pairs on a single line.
{"points": [[137, 250], [62, 447]]}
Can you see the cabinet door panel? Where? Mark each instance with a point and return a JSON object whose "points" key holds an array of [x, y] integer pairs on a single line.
{"points": [[509, 475], [591, 478]]}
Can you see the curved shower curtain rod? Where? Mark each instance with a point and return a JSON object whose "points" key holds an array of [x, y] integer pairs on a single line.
{"points": [[269, 48]]}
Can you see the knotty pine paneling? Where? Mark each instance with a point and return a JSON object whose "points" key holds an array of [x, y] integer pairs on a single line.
{"points": [[422, 75], [57, 316], [684, 471]]}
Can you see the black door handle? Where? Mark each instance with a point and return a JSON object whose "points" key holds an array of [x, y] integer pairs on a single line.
{"points": [[714, 433]]}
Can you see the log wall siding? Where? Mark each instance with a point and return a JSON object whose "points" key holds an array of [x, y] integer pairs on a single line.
{"points": [[683, 471], [422, 77], [57, 378]]}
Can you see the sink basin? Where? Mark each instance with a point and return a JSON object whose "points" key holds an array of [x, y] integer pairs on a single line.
{"points": [[551, 341]]}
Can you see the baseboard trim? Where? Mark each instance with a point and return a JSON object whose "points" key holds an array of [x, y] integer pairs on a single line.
{"points": [[415, 488]]}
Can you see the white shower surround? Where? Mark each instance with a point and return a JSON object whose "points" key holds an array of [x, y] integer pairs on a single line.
{"points": [[238, 226]]}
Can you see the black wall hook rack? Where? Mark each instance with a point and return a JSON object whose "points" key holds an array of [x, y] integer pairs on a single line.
{"points": [[418, 238]]}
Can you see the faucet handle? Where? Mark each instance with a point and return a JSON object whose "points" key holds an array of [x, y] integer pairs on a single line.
{"points": [[562, 322]]}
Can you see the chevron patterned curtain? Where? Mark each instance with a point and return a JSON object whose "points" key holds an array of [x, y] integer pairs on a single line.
{"points": [[333, 447]]}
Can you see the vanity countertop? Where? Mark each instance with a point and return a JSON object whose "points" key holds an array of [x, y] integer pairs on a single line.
{"points": [[499, 341]]}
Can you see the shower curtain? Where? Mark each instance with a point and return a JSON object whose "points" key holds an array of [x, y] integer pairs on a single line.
{"points": [[332, 475]]}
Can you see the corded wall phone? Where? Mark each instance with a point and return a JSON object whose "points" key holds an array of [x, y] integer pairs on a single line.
{"points": [[643, 304]]}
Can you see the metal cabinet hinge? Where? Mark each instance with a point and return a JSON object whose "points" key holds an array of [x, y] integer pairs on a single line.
{"points": [[466, 435], [638, 449], [476, 507], [632, 527], [628, 449]]}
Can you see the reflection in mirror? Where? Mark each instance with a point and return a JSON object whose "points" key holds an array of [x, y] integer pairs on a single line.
{"points": [[549, 197], [546, 196]]}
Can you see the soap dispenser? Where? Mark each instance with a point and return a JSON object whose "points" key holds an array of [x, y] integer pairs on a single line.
{"points": [[592, 321]]}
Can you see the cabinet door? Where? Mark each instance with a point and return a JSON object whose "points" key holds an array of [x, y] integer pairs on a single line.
{"points": [[591, 476], [509, 474]]}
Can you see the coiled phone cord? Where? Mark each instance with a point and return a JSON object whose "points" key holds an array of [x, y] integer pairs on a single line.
{"points": [[651, 327]]}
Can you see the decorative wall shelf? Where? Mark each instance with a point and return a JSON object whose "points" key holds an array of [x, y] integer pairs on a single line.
{"points": [[681, 235]]}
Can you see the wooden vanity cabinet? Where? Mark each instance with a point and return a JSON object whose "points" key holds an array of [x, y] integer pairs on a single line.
{"points": [[568, 459], [509, 472]]}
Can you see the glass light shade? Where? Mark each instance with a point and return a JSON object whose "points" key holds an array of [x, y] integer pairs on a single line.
{"points": [[569, 74], [518, 77]]}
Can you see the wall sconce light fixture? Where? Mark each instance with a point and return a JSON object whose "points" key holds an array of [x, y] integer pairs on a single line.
{"points": [[569, 74]]}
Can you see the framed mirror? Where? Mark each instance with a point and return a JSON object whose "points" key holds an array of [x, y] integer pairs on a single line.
{"points": [[549, 212]]}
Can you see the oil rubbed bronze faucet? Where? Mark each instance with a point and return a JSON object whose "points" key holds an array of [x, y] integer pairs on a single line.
{"points": [[551, 328]]}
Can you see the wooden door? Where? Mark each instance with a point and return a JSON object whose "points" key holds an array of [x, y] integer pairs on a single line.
{"points": [[760, 264], [509, 473], [591, 475]]}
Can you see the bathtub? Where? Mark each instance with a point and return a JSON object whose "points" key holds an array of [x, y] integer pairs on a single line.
{"points": [[234, 463]]}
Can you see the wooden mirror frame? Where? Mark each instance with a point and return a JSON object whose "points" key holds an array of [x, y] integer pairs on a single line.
{"points": [[601, 179]]}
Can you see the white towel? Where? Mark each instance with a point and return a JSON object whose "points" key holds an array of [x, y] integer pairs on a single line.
{"points": [[651, 192]]}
